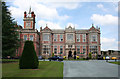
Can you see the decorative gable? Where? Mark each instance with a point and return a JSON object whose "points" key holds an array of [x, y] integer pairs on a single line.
{"points": [[46, 29], [92, 28]]}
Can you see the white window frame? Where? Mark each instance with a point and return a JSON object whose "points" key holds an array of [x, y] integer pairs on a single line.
{"points": [[94, 39], [84, 37], [55, 49], [31, 38], [55, 37], [48, 37], [26, 37], [78, 47], [61, 37], [78, 37], [61, 48], [84, 49]]}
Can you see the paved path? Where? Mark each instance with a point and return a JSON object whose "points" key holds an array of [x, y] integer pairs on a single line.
{"points": [[91, 68]]}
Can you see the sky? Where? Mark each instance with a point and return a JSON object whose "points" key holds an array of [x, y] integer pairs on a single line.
{"points": [[81, 15]]}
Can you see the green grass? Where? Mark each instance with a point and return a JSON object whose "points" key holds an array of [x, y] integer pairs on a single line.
{"points": [[46, 69], [115, 63]]}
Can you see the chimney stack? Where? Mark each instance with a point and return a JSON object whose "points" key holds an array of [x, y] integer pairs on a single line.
{"points": [[25, 14], [32, 14]]}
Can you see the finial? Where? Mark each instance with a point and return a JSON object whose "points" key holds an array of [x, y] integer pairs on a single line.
{"points": [[46, 25], [30, 10], [92, 24]]}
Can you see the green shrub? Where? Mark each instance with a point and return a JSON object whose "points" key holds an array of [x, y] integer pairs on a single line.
{"points": [[29, 59], [52, 54], [90, 55]]}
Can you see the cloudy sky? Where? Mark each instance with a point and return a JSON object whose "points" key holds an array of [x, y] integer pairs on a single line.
{"points": [[81, 15]]}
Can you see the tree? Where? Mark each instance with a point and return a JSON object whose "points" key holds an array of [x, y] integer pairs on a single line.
{"points": [[29, 59], [9, 33]]}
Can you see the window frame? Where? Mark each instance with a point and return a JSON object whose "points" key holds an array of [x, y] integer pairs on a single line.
{"points": [[84, 37], [32, 38], [26, 38], [78, 37], [48, 37], [78, 48]]}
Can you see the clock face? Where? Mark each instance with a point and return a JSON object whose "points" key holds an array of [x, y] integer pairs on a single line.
{"points": [[28, 24]]}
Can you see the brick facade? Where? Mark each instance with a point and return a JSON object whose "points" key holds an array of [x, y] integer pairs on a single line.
{"points": [[60, 42]]}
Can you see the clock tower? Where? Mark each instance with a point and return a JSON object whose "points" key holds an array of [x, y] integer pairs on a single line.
{"points": [[29, 20]]}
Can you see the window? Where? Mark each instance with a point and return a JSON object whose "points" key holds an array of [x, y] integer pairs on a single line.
{"points": [[61, 37], [78, 37], [55, 37], [46, 49], [25, 37], [94, 38], [69, 46], [70, 37], [55, 49], [46, 37], [84, 49], [84, 37], [78, 49], [93, 49], [31, 37], [61, 49]]}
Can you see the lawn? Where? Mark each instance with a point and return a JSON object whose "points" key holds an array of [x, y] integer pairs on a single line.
{"points": [[46, 69], [115, 63]]}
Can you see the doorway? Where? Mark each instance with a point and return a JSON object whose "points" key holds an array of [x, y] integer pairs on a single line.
{"points": [[69, 54]]}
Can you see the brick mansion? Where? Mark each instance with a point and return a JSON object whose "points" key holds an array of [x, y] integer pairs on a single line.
{"points": [[63, 42]]}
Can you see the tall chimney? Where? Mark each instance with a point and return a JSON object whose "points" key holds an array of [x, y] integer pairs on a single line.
{"points": [[25, 14], [32, 14]]}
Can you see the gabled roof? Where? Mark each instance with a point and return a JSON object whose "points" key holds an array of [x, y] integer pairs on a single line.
{"points": [[92, 28], [46, 29]]}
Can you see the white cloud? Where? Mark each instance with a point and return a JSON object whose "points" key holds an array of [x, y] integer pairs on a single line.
{"points": [[72, 25], [51, 25], [67, 5], [41, 10], [105, 20], [16, 13], [109, 44], [101, 7]]}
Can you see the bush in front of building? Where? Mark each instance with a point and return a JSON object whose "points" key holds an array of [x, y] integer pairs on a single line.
{"points": [[29, 59], [90, 55], [53, 54]]}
